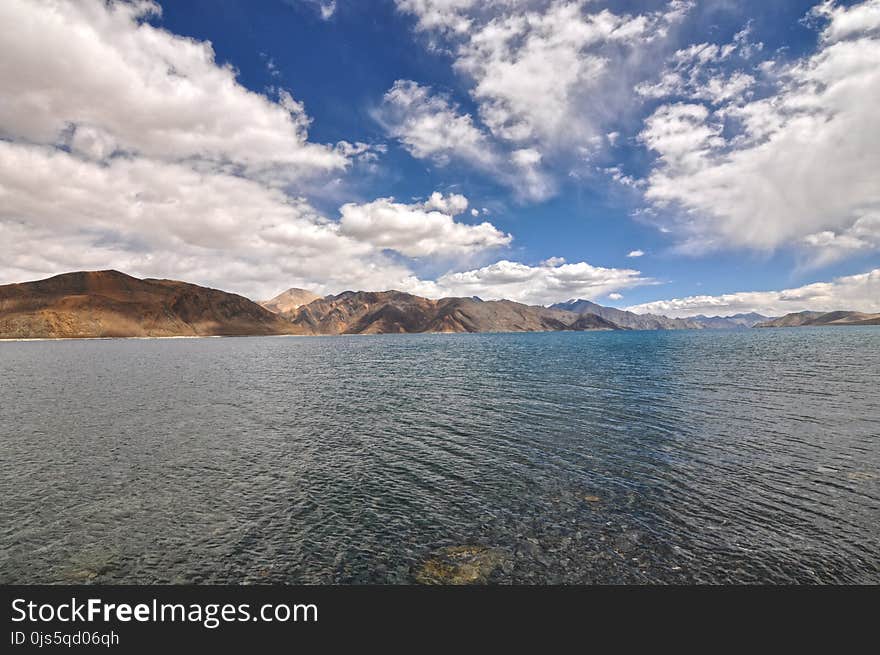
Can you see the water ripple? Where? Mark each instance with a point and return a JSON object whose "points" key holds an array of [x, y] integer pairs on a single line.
{"points": [[719, 457]]}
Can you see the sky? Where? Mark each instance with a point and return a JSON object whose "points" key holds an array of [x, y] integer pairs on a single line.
{"points": [[668, 156]]}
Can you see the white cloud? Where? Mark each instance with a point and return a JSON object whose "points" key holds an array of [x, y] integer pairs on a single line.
{"points": [[846, 22], [855, 292], [636, 253], [715, 89], [431, 127], [439, 14], [59, 212], [151, 218], [96, 77], [615, 296], [123, 145], [795, 168], [621, 178], [829, 246], [452, 204], [419, 230], [682, 137], [702, 71], [549, 79], [549, 282], [327, 8], [547, 75]]}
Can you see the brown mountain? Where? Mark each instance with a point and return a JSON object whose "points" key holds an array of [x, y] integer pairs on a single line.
{"points": [[365, 312], [289, 300], [813, 319], [633, 321], [627, 319], [112, 304]]}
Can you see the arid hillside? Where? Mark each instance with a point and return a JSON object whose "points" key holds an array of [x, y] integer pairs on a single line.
{"points": [[816, 319], [113, 304], [364, 312], [289, 300]]}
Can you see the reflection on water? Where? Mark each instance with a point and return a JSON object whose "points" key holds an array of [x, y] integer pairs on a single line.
{"points": [[626, 457]]}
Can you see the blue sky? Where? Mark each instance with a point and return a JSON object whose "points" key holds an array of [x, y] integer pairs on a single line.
{"points": [[299, 142]]}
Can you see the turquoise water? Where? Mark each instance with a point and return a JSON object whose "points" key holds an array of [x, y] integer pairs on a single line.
{"points": [[624, 457]]}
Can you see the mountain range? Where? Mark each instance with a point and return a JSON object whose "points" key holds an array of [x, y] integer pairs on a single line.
{"points": [[633, 321], [813, 319], [371, 312], [113, 304]]}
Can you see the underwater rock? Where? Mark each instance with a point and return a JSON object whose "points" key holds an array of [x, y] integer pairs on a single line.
{"points": [[461, 565], [89, 566]]}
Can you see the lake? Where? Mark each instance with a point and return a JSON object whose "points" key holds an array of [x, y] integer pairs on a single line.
{"points": [[603, 457]]}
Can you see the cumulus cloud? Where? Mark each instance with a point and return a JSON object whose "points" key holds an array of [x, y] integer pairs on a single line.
{"points": [[551, 281], [636, 253], [547, 78], [430, 126], [855, 292], [327, 8], [98, 79], [704, 71], [123, 145], [419, 230], [795, 167], [60, 212], [443, 15], [539, 74], [861, 236], [845, 22], [452, 204]]}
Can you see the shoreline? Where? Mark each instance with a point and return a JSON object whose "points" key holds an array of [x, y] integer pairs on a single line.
{"points": [[380, 334], [195, 336]]}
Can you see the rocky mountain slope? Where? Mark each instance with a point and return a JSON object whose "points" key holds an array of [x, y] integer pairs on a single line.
{"points": [[365, 312], [625, 319], [112, 304], [633, 321], [808, 319], [287, 301], [726, 322]]}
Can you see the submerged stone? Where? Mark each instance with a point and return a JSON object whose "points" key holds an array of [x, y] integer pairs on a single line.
{"points": [[86, 567], [461, 565]]}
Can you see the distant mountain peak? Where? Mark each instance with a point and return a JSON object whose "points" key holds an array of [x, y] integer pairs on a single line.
{"points": [[816, 319], [633, 321], [289, 300]]}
